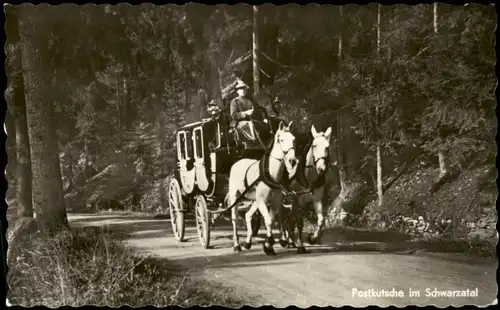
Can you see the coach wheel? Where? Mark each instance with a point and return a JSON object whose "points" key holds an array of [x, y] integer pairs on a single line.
{"points": [[175, 204], [202, 221]]}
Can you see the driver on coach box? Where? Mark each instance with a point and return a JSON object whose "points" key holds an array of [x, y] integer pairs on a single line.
{"points": [[241, 109]]}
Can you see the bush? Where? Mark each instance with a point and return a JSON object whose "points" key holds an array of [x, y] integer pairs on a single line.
{"points": [[462, 210], [151, 199], [85, 267]]}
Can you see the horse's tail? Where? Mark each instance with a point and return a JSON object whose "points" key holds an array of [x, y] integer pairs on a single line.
{"points": [[231, 196], [232, 192]]}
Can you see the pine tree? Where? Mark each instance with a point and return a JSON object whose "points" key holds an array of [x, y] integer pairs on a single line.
{"points": [[48, 199]]}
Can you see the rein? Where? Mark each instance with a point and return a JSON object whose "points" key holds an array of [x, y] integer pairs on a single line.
{"points": [[267, 149]]}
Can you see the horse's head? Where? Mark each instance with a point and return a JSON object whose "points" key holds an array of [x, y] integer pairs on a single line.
{"points": [[284, 145], [319, 148]]}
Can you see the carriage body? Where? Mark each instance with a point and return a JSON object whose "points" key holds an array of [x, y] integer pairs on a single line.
{"points": [[202, 147], [205, 153]]}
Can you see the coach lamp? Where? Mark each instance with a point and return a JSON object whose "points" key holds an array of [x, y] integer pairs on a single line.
{"points": [[213, 109], [276, 105]]}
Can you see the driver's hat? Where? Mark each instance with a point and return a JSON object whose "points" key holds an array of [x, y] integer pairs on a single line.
{"points": [[240, 84]]}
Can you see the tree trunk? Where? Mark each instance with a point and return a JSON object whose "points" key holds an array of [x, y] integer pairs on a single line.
{"points": [[118, 101], [69, 170], [219, 101], [160, 141], [47, 187], [127, 104], [256, 51], [10, 121], [443, 167], [70, 159], [340, 155], [273, 43], [335, 212], [10, 130], [86, 163], [24, 197], [23, 173], [435, 17], [214, 83], [341, 39], [341, 158], [351, 187], [66, 145], [380, 191], [196, 17], [278, 37], [24, 225]]}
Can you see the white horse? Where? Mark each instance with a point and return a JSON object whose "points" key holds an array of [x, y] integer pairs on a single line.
{"points": [[259, 181], [310, 175]]}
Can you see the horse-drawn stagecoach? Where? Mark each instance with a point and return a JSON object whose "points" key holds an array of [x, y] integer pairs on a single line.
{"points": [[213, 168], [206, 151]]}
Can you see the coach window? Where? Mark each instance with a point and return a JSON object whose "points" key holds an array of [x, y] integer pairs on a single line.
{"points": [[217, 136], [198, 142], [181, 145], [189, 145]]}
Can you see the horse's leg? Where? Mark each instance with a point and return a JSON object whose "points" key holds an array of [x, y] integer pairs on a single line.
{"points": [[283, 223], [248, 218], [269, 241], [291, 222], [234, 220], [318, 208], [299, 220], [273, 210]]}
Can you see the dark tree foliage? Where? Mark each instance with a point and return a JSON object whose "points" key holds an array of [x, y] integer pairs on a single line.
{"points": [[123, 78]]}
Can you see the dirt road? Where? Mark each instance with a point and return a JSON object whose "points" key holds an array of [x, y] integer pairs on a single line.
{"points": [[328, 275]]}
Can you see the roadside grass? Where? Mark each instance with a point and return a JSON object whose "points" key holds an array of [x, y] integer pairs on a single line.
{"points": [[90, 266]]}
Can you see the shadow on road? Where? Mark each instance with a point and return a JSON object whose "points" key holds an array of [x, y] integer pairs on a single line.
{"points": [[351, 235], [334, 241], [256, 257], [346, 259], [97, 218]]}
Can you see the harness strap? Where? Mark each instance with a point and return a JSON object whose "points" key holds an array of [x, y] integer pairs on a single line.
{"points": [[239, 198], [247, 189], [245, 179], [264, 177], [264, 173]]}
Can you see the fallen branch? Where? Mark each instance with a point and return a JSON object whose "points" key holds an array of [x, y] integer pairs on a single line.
{"points": [[418, 54], [104, 171], [263, 72], [274, 61], [177, 291], [400, 173], [131, 269], [230, 57], [241, 59]]}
